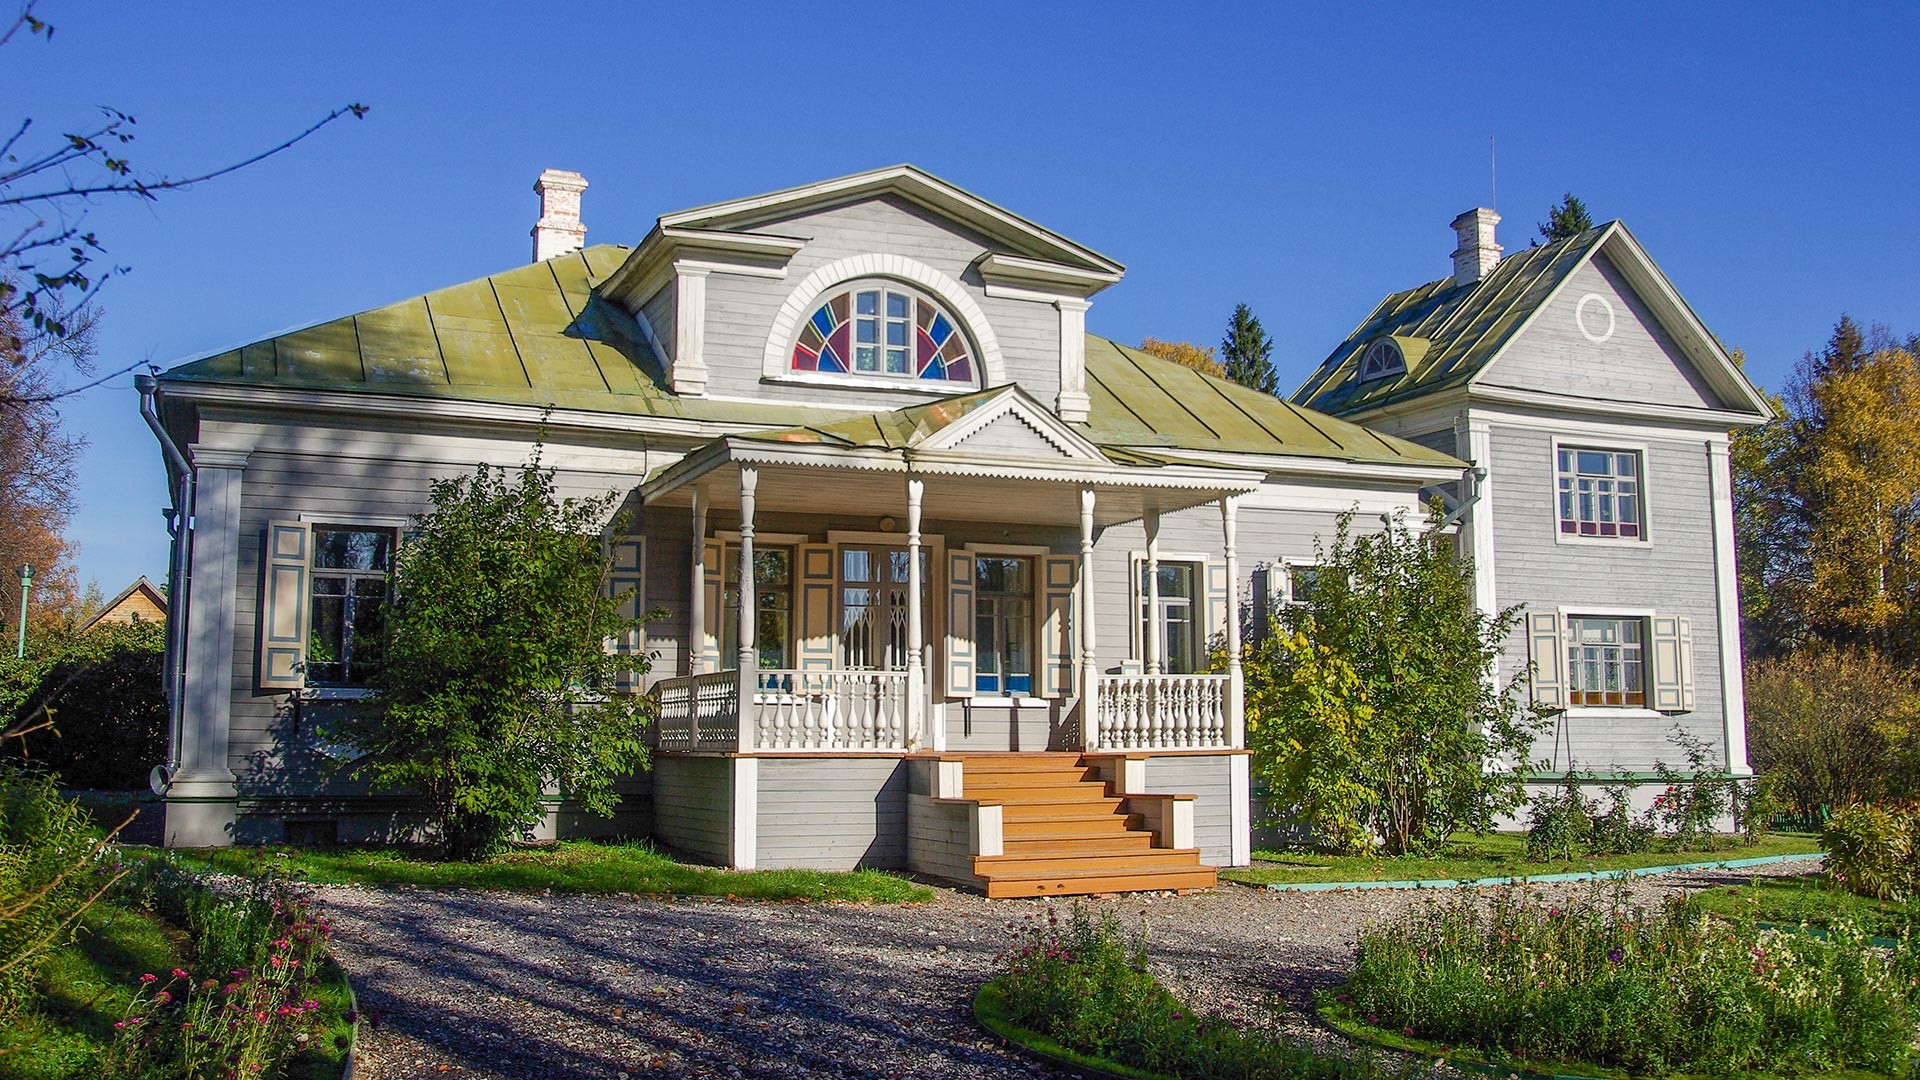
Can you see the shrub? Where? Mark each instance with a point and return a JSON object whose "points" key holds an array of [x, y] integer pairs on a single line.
{"points": [[496, 683], [1602, 982], [1874, 852], [48, 858], [1372, 711], [99, 693], [1085, 985], [1696, 798], [1834, 728], [1559, 826]]}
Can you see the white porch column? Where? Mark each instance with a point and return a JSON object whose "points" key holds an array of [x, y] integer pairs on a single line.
{"points": [[921, 724], [1089, 656], [696, 638], [1150, 633], [1726, 579], [1236, 675], [749, 657], [201, 806]]}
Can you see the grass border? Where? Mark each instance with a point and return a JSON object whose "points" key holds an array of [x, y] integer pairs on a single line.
{"points": [[1341, 1020], [1525, 879], [350, 1068], [989, 1011]]}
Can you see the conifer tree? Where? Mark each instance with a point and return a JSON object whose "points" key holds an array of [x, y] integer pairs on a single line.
{"points": [[1247, 352], [1568, 217]]}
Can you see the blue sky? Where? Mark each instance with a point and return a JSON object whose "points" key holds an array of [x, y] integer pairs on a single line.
{"points": [[1305, 161]]}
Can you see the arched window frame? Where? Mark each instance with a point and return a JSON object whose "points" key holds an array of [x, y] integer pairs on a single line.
{"points": [[883, 319], [1381, 360], [991, 369]]}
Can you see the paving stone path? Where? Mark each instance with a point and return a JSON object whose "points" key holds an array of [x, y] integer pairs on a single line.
{"points": [[470, 984]]}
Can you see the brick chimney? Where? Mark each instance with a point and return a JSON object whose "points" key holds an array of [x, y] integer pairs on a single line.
{"points": [[1477, 254], [559, 230]]}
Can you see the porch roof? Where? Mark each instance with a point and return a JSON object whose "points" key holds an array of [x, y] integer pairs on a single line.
{"points": [[1030, 477]]}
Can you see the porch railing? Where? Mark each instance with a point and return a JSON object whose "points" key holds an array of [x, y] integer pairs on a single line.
{"points": [[700, 712], [830, 710], [1160, 712]]}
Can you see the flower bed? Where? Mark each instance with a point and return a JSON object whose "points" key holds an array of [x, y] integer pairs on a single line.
{"points": [[1606, 984], [1079, 992]]}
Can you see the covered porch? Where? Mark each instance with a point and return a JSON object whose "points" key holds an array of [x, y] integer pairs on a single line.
{"points": [[893, 629], [925, 589]]}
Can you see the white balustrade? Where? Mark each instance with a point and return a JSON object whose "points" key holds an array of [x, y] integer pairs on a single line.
{"points": [[700, 712], [1161, 712], [830, 710]]}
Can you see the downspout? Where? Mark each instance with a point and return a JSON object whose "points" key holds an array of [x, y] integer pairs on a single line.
{"points": [[180, 528], [1478, 476]]}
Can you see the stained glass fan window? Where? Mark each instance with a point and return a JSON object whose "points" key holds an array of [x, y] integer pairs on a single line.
{"points": [[886, 332]]}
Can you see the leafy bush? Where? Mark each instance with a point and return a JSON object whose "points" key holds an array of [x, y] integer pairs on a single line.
{"points": [[96, 703], [1834, 728], [48, 863], [497, 681], [1696, 798], [1371, 710], [1874, 852], [1085, 985], [1610, 984]]}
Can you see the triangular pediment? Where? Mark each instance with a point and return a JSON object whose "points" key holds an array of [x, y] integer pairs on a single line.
{"points": [[915, 186], [1010, 425]]}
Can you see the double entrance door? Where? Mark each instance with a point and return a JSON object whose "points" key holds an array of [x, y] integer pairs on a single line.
{"points": [[873, 606]]}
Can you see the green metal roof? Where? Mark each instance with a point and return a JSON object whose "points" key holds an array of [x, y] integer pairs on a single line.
{"points": [[537, 335], [534, 335], [1144, 403], [1456, 329]]}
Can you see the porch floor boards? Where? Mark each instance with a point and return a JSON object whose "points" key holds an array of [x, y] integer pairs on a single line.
{"points": [[1066, 834]]}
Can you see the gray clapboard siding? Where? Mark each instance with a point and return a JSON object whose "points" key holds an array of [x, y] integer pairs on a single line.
{"points": [[1207, 779], [1672, 573], [270, 735], [661, 311], [740, 310], [974, 727], [693, 805], [1264, 536], [1446, 441], [832, 813], [1640, 362]]}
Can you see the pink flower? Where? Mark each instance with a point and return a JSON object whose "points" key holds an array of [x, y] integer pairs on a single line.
{"points": [[180, 973], [149, 977], [162, 998]]}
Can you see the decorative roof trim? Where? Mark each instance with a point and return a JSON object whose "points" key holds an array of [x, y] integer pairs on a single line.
{"points": [[1040, 277], [1015, 402], [1676, 317], [652, 262], [739, 451], [775, 362], [915, 185]]}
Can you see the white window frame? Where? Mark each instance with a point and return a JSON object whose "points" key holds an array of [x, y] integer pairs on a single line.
{"points": [[367, 523], [1290, 565], [1395, 364], [880, 379], [1036, 552], [1607, 445], [1137, 561], [1568, 612]]}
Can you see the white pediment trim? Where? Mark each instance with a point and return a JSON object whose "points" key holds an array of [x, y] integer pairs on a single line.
{"points": [[915, 185], [1676, 317], [1012, 407], [806, 296]]}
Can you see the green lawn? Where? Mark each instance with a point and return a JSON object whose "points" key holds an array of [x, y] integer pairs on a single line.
{"points": [[1810, 899], [1485, 855], [87, 985], [574, 866]]}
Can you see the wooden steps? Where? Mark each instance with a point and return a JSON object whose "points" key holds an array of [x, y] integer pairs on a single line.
{"points": [[1065, 834]]}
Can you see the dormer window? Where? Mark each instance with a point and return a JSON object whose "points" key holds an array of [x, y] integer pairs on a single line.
{"points": [[1382, 358], [884, 331]]}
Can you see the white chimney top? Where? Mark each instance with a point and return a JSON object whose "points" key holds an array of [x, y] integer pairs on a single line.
{"points": [[559, 230], [1477, 254]]}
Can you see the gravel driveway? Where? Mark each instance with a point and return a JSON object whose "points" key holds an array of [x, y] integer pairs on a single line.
{"points": [[476, 984]]}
